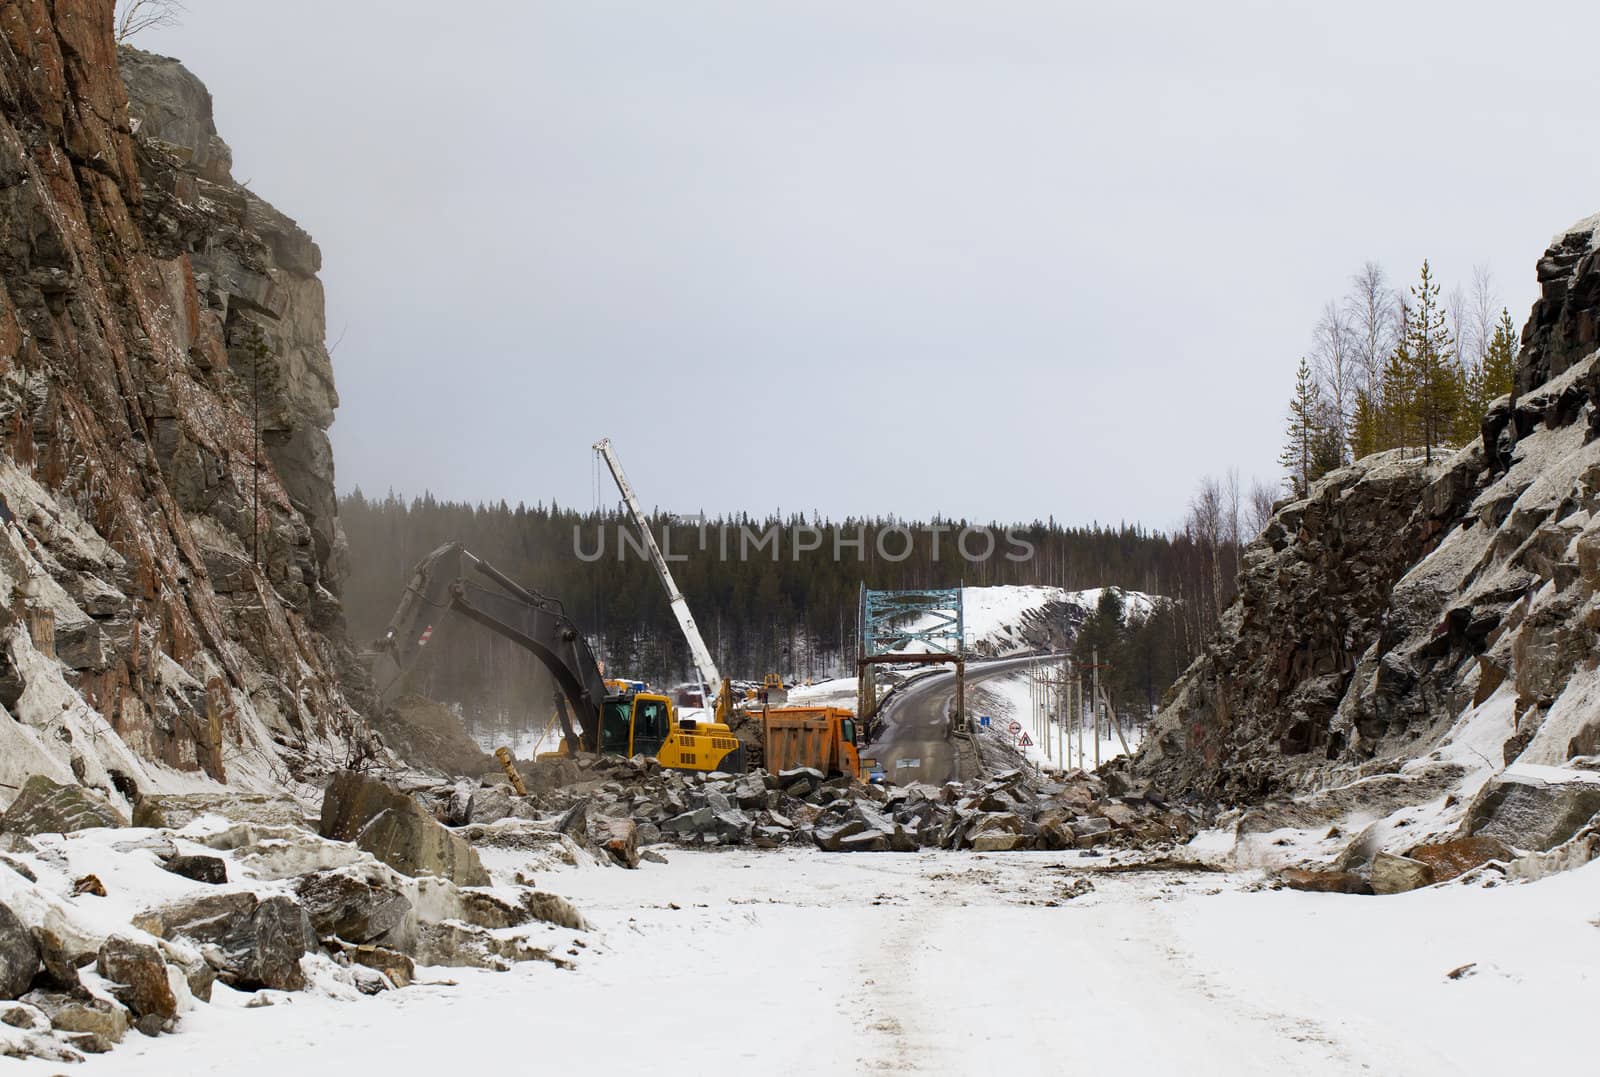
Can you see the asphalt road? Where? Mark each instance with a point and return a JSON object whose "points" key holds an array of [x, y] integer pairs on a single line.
{"points": [[914, 743]]}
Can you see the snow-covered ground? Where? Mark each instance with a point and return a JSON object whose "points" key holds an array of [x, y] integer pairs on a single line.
{"points": [[800, 962]]}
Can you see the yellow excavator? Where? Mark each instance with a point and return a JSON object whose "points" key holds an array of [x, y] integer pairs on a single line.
{"points": [[613, 718]]}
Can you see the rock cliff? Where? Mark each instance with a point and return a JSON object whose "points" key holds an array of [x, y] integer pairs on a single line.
{"points": [[170, 556], [1437, 623]]}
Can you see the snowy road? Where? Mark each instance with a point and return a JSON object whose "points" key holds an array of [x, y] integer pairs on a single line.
{"points": [[798, 962], [914, 744]]}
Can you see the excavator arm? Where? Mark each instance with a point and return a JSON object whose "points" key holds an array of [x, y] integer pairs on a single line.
{"points": [[443, 582]]}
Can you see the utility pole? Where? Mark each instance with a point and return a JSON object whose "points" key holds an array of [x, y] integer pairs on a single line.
{"points": [[1077, 683], [1095, 702], [1063, 706]]}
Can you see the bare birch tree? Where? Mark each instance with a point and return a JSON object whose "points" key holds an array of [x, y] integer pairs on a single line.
{"points": [[1372, 308], [1258, 510], [1232, 506], [1334, 357], [1206, 518], [1483, 310], [135, 16]]}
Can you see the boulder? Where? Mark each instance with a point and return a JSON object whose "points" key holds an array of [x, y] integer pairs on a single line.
{"points": [[19, 955], [458, 809], [98, 1023], [1087, 828], [867, 841], [139, 978], [397, 830], [832, 838], [351, 801], [60, 972], [1393, 874], [491, 803], [1055, 829], [996, 832], [1456, 857], [174, 812], [28, 1035], [342, 905], [1118, 815], [690, 823], [252, 942], [196, 970], [1324, 882], [618, 837], [455, 943], [19, 867], [732, 826], [200, 868], [553, 909], [1529, 812], [800, 782], [399, 968], [750, 792], [47, 807]]}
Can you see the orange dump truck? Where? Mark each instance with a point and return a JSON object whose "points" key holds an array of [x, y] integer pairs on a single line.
{"points": [[823, 738]]}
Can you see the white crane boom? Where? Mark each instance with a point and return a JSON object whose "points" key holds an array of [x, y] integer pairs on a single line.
{"points": [[698, 651]]}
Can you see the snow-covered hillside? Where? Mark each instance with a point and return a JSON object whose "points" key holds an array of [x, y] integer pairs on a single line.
{"points": [[1015, 619]]}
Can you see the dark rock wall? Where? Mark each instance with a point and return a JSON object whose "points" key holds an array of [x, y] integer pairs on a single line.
{"points": [[158, 323], [1400, 598]]}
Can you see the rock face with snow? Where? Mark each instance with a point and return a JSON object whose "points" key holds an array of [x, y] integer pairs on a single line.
{"points": [[169, 554], [1408, 618]]}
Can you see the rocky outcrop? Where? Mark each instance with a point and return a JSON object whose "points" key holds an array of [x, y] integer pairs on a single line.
{"points": [[1415, 620], [169, 552]]}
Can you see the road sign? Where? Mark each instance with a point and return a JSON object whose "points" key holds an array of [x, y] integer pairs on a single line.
{"points": [[1026, 741], [983, 720], [905, 764], [1015, 728]]}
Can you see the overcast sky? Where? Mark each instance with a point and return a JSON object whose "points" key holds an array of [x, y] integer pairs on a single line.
{"points": [[1004, 260]]}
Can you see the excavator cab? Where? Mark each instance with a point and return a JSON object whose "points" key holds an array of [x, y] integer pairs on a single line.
{"points": [[635, 723]]}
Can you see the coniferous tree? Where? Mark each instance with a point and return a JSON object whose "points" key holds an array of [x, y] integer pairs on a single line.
{"points": [[1435, 380], [1327, 451], [1500, 360], [1364, 425], [1397, 394], [1304, 432]]}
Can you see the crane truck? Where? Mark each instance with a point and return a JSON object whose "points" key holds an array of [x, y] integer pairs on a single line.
{"points": [[705, 665], [613, 717]]}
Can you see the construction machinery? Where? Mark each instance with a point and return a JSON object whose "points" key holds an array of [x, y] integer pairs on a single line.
{"points": [[615, 717], [705, 666], [819, 737], [823, 738]]}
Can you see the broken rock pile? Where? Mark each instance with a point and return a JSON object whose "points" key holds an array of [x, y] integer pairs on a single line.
{"points": [[107, 928], [614, 807]]}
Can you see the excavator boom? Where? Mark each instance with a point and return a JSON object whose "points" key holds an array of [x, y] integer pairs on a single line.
{"points": [[442, 582]]}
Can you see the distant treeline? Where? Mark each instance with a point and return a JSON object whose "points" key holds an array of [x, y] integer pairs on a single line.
{"points": [[783, 599]]}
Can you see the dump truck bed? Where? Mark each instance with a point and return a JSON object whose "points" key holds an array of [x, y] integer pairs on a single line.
{"points": [[800, 737]]}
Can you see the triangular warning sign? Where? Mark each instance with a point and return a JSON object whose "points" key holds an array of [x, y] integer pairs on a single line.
{"points": [[1026, 741]]}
